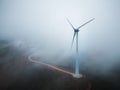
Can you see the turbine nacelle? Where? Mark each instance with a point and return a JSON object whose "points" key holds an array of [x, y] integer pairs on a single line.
{"points": [[76, 30]]}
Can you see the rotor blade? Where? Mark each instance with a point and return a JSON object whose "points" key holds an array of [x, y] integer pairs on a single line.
{"points": [[70, 24], [85, 23], [73, 39]]}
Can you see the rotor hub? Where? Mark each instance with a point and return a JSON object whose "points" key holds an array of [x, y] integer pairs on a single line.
{"points": [[76, 30]]}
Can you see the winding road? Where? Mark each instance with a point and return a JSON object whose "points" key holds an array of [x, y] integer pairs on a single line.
{"points": [[53, 67]]}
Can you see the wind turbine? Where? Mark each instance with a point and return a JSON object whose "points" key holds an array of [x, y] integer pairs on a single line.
{"points": [[76, 30]]}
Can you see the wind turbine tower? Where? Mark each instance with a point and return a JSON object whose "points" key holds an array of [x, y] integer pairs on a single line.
{"points": [[75, 35]]}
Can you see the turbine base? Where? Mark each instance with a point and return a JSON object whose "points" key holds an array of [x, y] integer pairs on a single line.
{"points": [[77, 75]]}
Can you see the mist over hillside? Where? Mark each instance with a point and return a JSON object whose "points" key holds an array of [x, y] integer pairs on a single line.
{"points": [[39, 29], [18, 72]]}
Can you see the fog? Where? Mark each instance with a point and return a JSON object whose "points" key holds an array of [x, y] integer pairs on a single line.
{"points": [[41, 27]]}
